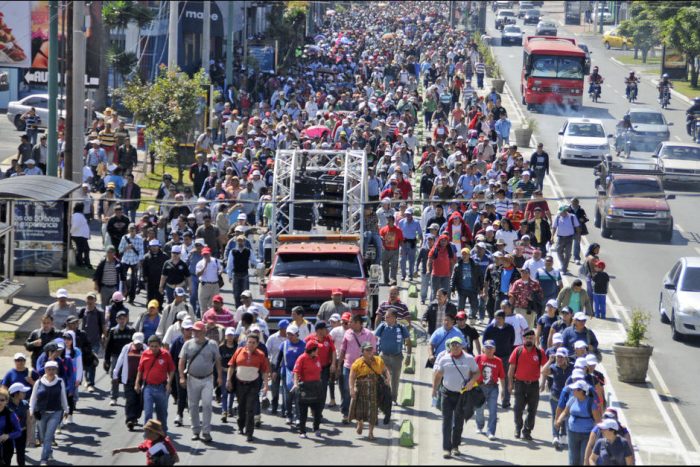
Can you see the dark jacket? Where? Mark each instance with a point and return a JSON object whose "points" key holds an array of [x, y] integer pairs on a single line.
{"points": [[99, 271], [45, 339], [545, 231], [135, 195], [116, 340], [477, 276], [153, 267], [503, 337], [430, 315], [493, 278]]}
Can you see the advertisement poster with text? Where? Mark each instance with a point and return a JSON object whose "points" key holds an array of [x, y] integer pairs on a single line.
{"points": [[15, 34], [40, 238]]}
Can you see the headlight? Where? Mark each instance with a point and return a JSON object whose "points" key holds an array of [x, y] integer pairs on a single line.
{"points": [[354, 303], [689, 311], [278, 303], [616, 212], [662, 214]]}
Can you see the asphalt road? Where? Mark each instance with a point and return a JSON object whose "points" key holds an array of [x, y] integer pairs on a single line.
{"points": [[638, 263], [9, 140]]}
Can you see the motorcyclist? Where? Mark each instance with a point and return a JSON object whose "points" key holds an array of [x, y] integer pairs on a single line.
{"points": [[663, 84], [692, 113], [595, 78], [630, 81], [622, 126]]}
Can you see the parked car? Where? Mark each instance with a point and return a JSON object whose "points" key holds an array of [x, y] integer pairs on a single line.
{"points": [[613, 39], [679, 300], [546, 28], [649, 127], [531, 16], [15, 110], [504, 17], [582, 139], [512, 35], [679, 162]]}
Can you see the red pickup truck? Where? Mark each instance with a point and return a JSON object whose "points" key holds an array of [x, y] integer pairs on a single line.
{"points": [[306, 269]]}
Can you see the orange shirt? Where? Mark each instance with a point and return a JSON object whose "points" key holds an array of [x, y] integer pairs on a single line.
{"points": [[249, 366]]}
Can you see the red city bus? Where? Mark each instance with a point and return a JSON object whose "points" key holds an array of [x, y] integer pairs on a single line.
{"points": [[554, 69]]}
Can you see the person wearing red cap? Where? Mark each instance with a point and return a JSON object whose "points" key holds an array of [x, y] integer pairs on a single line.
{"points": [[308, 385], [392, 238], [199, 358], [208, 270], [600, 280], [333, 306], [219, 313]]}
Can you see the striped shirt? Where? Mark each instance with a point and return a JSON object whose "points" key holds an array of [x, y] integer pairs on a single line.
{"points": [[132, 256], [109, 274], [108, 139], [479, 67], [503, 206], [399, 308], [31, 120], [225, 318]]}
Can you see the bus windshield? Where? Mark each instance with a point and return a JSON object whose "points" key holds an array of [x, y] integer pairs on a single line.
{"points": [[550, 66]]}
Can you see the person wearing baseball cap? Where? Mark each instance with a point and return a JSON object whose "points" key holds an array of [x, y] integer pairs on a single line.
{"points": [[152, 268], [172, 312], [612, 445], [61, 309], [208, 270], [20, 374], [335, 305], [459, 373], [492, 371], [581, 415], [412, 233], [221, 315], [198, 360], [175, 274], [557, 370], [44, 399], [545, 322], [117, 337], [579, 332], [124, 374], [523, 379], [307, 374]]}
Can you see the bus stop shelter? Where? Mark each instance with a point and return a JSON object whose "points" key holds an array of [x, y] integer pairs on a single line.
{"points": [[34, 233]]}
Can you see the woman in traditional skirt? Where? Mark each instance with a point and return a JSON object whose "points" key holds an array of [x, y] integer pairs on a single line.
{"points": [[364, 374]]}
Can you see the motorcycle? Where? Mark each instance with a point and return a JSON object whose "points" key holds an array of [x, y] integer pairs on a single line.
{"points": [[632, 93], [595, 91], [623, 143], [665, 97]]}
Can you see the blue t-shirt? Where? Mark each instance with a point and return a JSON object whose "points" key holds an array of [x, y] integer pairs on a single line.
{"points": [[150, 326], [506, 274], [581, 414], [570, 336], [546, 322], [440, 336], [465, 282], [612, 453], [559, 378], [410, 230], [291, 352], [391, 338], [13, 376]]}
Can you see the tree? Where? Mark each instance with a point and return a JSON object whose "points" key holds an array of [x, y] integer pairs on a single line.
{"points": [[168, 109], [681, 31], [644, 32], [288, 23]]}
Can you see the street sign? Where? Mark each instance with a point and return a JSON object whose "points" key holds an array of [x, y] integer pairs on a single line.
{"points": [[42, 77]]}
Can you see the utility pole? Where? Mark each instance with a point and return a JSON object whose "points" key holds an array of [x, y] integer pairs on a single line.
{"points": [[172, 35], [229, 46], [206, 35], [52, 153], [78, 95], [68, 80], [245, 36]]}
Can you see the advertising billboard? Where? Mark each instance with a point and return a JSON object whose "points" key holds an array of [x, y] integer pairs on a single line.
{"points": [[264, 57], [40, 238], [15, 34]]}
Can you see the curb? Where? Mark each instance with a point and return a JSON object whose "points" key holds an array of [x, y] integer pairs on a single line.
{"points": [[406, 434], [410, 368], [407, 395], [412, 291]]}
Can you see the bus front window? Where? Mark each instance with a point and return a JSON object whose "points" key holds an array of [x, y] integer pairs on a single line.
{"points": [[557, 67]]}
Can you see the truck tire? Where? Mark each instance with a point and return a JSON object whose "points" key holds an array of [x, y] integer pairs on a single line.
{"points": [[604, 230], [596, 219], [667, 236], [664, 317]]}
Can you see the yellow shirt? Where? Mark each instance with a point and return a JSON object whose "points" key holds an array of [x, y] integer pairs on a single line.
{"points": [[362, 370], [538, 230]]}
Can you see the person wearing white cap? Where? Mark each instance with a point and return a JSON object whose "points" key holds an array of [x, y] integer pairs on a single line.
{"points": [[611, 448], [544, 323], [131, 249], [556, 372], [178, 309], [19, 405], [175, 330], [582, 413], [579, 332], [226, 350], [152, 269], [61, 309], [178, 392], [47, 404], [249, 197], [412, 234], [175, 275], [32, 169], [125, 372], [21, 373]]}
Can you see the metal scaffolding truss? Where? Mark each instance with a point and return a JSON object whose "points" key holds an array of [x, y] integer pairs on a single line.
{"points": [[292, 163]]}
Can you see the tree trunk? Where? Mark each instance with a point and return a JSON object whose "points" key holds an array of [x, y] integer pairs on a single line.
{"points": [[636, 53], [693, 73], [645, 52], [102, 32]]}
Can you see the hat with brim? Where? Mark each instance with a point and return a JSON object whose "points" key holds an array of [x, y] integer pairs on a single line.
{"points": [[453, 340], [154, 426]]}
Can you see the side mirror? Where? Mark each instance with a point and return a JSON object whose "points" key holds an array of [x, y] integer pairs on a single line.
{"points": [[669, 286], [670, 196], [611, 136], [654, 156], [560, 133], [669, 123]]}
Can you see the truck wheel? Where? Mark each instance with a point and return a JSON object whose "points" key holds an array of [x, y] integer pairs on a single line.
{"points": [[668, 235], [664, 318], [596, 219], [604, 230]]}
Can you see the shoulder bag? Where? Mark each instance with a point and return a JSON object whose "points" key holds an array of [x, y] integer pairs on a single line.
{"points": [[472, 399], [384, 397], [310, 392], [189, 362]]}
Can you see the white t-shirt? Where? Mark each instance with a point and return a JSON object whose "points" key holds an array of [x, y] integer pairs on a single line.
{"points": [[533, 265]]}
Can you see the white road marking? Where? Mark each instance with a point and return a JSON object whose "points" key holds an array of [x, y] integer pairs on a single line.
{"points": [[680, 229], [678, 138], [697, 249], [622, 313]]}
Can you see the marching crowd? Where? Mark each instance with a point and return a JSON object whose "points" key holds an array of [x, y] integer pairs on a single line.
{"points": [[460, 213]]}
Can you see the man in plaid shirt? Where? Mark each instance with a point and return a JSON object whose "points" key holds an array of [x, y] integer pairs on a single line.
{"points": [[131, 251]]}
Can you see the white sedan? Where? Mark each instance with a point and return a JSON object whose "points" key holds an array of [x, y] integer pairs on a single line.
{"points": [[582, 139], [679, 303], [679, 162]]}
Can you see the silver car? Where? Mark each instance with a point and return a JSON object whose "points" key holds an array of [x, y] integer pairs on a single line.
{"points": [[679, 162], [679, 303], [40, 102], [649, 127]]}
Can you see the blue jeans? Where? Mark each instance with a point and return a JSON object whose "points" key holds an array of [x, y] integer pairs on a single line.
{"points": [[169, 294], [491, 393], [155, 396], [553, 402], [239, 283], [90, 370], [374, 238], [577, 247], [291, 407], [47, 431], [408, 254], [599, 305], [424, 286], [226, 397], [577, 447], [345, 392], [193, 295]]}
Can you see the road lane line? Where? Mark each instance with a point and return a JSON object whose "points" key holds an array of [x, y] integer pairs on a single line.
{"points": [[680, 229], [678, 138], [622, 313], [697, 249]]}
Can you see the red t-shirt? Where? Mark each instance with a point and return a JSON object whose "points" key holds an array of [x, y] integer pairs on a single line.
{"points": [[148, 444], [495, 365], [308, 368], [392, 237], [326, 348], [441, 263], [528, 368], [154, 369]]}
